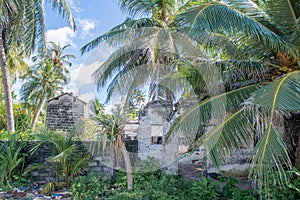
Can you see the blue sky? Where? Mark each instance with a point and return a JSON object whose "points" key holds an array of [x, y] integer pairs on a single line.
{"points": [[93, 18]]}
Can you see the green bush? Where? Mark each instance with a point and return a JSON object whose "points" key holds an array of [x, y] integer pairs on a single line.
{"points": [[69, 160], [83, 188], [204, 189], [11, 160], [231, 191]]}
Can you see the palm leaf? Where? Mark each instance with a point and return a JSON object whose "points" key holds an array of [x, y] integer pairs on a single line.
{"points": [[130, 28], [281, 95], [270, 158], [221, 18], [226, 136], [270, 153], [190, 121]]}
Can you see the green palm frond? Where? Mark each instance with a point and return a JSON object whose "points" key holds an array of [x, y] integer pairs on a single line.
{"points": [[226, 136], [284, 13], [128, 79], [270, 153], [35, 36], [270, 158], [130, 28], [281, 95], [221, 18], [202, 112], [64, 11], [137, 8], [116, 62]]}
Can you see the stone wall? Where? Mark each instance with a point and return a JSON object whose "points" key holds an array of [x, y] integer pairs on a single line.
{"points": [[65, 111], [102, 162], [153, 124]]}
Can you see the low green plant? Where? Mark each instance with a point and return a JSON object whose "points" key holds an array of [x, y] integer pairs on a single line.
{"points": [[51, 186], [11, 160], [231, 191], [290, 190], [204, 189], [69, 160], [84, 188]]}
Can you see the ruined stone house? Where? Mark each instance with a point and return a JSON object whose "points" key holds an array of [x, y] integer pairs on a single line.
{"points": [[65, 111]]}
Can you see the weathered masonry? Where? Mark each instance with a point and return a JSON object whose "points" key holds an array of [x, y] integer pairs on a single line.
{"points": [[65, 111]]}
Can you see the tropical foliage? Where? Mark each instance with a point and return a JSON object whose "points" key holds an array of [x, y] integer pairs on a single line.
{"points": [[112, 131], [46, 79], [245, 59], [12, 160], [23, 19], [69, 159]]}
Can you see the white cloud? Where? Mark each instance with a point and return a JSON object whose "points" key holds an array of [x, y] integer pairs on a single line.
{"points": [[74, 7], [83, 81], [86, 26], [64, 36]]}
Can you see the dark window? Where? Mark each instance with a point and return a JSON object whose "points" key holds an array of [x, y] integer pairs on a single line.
{"points": [[156, 140]]}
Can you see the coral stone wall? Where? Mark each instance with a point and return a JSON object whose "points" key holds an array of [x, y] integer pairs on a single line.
{"points": [[65, 111], [154, 123], [102, 161]]}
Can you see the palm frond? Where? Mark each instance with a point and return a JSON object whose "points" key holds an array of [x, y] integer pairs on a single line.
{"points": [[221, 18], [226, 136], [281, 95], [130, 28], [284, 13], [136, 8], [63, 9], [270, 158], [190, 122], [270, 153]]}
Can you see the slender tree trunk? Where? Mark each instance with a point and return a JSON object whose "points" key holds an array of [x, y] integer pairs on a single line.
{"points": [[37, 113], [6, 85], [127, 166]]}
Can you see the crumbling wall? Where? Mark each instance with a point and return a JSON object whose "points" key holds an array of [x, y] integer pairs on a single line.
{"points": [[103, 160], [64, 112], [153, 124]]}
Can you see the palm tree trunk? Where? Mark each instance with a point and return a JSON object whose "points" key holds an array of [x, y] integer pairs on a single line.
{"points": [[6, 85], [37, 113], [127, 166]]}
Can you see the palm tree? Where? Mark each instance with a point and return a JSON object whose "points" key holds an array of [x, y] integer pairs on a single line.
{"points": [[112, 130], [23, 19], [47, 78], [240, 44], [252, 108], [69, 160], [150, 46]]}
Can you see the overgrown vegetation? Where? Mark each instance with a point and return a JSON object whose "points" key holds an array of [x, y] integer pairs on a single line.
{"points": [[157, 185], [12, 160], [69, 160]]}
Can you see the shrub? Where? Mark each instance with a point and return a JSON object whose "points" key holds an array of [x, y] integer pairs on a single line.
{"points": [[11, 160], [83, 188]]}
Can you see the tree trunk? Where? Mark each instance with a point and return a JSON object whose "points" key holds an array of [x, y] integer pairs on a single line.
{"points": [[37, 113], [6, 85], [291, 138], [128, 167]]}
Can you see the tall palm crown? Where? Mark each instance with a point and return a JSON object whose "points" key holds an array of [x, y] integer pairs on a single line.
{"points": [[242, 38], [47, 78], [150, 46], [22, 26]]}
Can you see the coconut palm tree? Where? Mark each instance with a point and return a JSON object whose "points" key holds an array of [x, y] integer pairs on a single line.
{"points": [[23, 19], [171, 29], [112, 130], [47, 78], [228, 43], [252, 108]]}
